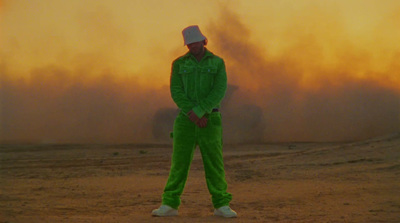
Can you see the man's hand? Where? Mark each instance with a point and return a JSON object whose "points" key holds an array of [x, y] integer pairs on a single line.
{"points": [[192, 116], [201, 122]]}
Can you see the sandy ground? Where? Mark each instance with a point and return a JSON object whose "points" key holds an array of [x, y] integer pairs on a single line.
{"points": [[285, 182]]}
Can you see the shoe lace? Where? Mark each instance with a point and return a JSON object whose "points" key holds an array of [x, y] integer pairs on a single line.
{"points": [[226, 208]]}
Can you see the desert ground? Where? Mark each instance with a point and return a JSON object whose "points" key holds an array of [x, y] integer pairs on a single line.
{"points": [[272, 182]]}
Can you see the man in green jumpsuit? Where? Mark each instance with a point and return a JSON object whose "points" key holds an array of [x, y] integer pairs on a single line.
{"points": [[198, 84]]}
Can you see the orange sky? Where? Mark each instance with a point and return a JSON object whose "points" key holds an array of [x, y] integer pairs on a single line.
{"points": [[304, 69], [131, 36]]}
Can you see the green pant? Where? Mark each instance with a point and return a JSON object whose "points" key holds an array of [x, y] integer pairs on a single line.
{"points": [[186, 136]]}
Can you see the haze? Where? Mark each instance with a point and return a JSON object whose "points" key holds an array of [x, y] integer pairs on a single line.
{"points": [[98, 71]]}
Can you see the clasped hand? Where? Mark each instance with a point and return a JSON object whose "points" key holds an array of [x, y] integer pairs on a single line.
{"points": [[201, 122]]}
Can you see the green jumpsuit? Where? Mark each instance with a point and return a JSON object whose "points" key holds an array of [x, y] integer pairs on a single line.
{"points": [[198, 86]]}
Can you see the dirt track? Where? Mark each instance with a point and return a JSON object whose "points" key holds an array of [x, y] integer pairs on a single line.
{"points": [[286, 182]]}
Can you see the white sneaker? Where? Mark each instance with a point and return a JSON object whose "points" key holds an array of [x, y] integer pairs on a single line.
{"points": [[164, 211], [226, 212]]}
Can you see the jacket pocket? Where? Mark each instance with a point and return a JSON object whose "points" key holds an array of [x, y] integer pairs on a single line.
{"points": [[207, 78], [188, 79], [209, 70], [186, 70]]}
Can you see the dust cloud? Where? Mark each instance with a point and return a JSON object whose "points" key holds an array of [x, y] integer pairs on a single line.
{"points": [[270, 98], [55, 107], [291, 97]]}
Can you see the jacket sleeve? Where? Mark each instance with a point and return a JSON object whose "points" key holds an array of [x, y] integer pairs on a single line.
{"points": [[216, 94], [177, 90]]}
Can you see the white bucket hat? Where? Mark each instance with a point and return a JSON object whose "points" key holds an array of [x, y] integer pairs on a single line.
{"points": [[192, 34]]}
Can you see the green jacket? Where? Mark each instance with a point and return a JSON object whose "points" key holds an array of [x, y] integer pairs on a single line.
{"points": [[198, 86]]}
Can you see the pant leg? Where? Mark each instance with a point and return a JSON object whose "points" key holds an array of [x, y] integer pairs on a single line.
{"points": [[210, 143], [184, 142]]}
